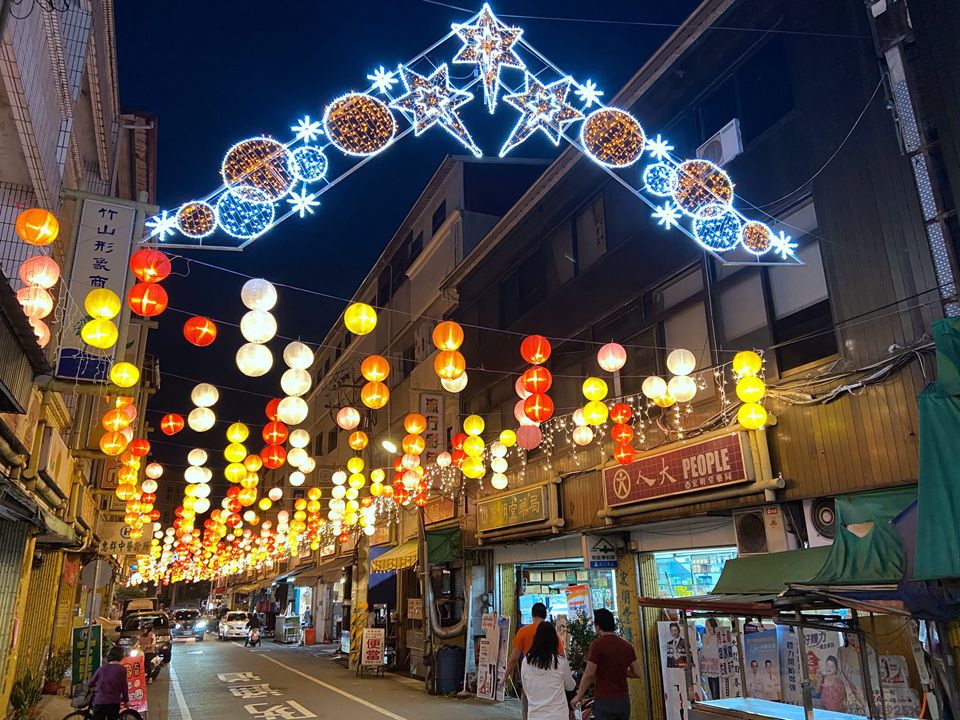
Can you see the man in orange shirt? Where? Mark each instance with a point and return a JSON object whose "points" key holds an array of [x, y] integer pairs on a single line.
{"points": [[522, 642]]}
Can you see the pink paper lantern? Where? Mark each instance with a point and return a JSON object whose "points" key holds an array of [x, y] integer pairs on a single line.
{"points": [[529, 437]]}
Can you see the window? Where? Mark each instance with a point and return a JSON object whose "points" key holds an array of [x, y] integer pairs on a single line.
{"points": [[523, 288], [742, 309], [409, 361], [331, 440], [384, 287], [439, 215], [693, 572], [590, 235], [563, 259], [416, 247], [688, 329]]}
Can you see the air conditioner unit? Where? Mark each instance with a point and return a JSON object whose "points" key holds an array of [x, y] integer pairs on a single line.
{"points": [[55, 463], [762, 530], [724, 146], [821, 520]]}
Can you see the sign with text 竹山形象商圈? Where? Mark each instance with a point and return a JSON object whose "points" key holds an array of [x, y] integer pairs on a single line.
{"points": [[687, 468]]}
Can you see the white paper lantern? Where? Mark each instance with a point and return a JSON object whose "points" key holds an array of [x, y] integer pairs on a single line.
{"points": [[339, 477], [299, 438], [275, 494], [682, 388], [154, 471], [455, 385], [499, 481], [337, 491], [611, 357], [292, 410], [204, 395], [296, 457], [149, 486], [193, 474], [308, 466], [207, 474], [258, 294], [296, 478], [654, 387], [297, 355], [583, 435], [197, 457], [201, 505], [498, 449], [258, 326], [370, 530], [295, 382], [681, 362], [202, 490], [498, 464], [201, 419], [254, 360], [444, 459], [521, 391]]}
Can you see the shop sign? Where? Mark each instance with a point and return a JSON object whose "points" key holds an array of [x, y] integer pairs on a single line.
{"points": [[99, 261], [704, 465], [371, 654], [438, 510], [136, 683], [519, 508], [414, 608], [116, 540], [599, 553], [86, 647]]}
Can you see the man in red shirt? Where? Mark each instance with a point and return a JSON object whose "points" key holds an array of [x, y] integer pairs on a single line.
{"points": [[522, 642], [610, 662]]}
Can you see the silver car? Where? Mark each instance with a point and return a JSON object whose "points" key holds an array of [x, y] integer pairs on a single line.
{"points": [[233, 625]]}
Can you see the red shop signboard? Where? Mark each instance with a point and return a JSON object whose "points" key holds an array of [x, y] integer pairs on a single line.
{"points": [[693, 467]]}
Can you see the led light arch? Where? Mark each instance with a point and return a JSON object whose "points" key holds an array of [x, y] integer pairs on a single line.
{"points": [[265, 180]]}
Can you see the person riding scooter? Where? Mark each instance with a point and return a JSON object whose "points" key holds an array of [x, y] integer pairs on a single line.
{"points": [[148, 646], [253, 630]]}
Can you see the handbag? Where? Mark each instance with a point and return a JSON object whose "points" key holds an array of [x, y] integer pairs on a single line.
{"points": [[83, 696]]}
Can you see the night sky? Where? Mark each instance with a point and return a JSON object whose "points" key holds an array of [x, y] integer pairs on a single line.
{"points": [[216, 72]]}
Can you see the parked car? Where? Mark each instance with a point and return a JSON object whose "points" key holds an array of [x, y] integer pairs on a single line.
{"points": [[188, 623], [130, 631], [233, 625]]}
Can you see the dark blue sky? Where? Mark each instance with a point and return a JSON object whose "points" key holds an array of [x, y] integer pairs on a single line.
{"points": [[216, 72]]}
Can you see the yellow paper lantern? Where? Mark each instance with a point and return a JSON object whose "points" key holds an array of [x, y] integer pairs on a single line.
{"points": [[594, 388], [357, 481], [473, 425], [752, 416], [360, 318], [99, 333], [376, 489], [124, 374], [473, 467], [265, 504], [235, 472], [238, 432], [508, 438], [473, 446], [314, 493], [355, 464], [102, 303], [751, 389], [747, 363], [595, 412], [235, 452]]}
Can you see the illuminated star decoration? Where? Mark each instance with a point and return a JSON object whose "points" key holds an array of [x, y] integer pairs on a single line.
{"points": [[383, 80], [588, 93], [659, 148], [162, 225], [542, 107], [303, 202], [307, 129], [431, 101], [488, 43], [783, 245], [667, 215]]}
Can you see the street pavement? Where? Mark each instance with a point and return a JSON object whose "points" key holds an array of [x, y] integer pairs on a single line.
{"points": [[215, 680]]}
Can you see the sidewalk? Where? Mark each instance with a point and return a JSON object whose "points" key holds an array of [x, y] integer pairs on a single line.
{"points": [[54, 707]]}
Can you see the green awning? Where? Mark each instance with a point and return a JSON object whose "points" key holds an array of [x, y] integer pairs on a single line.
{"points": [[444, 546], [400, 557], [769, 573]]}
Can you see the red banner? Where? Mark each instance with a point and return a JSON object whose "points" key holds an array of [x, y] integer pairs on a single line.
{"points": [[703, 465], [136, 683]]}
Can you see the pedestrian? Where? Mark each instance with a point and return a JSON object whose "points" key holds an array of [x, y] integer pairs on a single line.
{"points": [[109, 685], [546, 676], [522, 642], [610, 661]]}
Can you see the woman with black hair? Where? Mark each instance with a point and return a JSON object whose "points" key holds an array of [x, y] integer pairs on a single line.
{"points": [[546, 676]]}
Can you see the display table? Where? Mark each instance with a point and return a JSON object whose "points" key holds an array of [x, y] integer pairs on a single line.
{"points": [[749, 708]]}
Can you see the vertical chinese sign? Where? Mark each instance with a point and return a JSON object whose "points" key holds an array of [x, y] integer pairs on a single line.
{"points": [[431, 407], [99, 261]]}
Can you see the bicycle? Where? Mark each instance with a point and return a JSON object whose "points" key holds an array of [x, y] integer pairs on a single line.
{"points": [[87, 714]]}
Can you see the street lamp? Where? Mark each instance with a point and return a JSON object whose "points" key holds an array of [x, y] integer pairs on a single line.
{"points": [[389, 446]]}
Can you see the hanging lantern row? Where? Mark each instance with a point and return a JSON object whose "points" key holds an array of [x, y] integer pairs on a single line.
{"points": [[258, 326], [39, 273]]}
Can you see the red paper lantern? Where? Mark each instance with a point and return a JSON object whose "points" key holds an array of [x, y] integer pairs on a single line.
{"points": [[621, 433], [140, 447], [272, 408], [150, 266], [624, 454], [200, 331], [538, 407], [535, 349], [171, 424], [621, 413], [154, 515], [458, 440], [536, 379], [147, 299], [275, 433], [458, 457], [274, 456]]}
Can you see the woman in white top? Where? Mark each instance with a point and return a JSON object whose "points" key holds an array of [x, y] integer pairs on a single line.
{"points": [[546, 677]]}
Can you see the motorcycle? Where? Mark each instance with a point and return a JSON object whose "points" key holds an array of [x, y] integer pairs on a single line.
{"points": [[253, 636]]}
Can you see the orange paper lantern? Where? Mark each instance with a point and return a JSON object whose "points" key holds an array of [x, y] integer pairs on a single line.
{"points": [[358, 440], [274, 433], [375, 395], [535, 349], [536, 379], [448, 335], [272, 409], [113, 443], [624, 454], [375, 368], [37, 226], [150, 266], [171, 424], [147, 299], [414, 423], [621, 433], [449, 364], [200, 331], [273, 456], [140, 447], [413, 444], [621, 413]]}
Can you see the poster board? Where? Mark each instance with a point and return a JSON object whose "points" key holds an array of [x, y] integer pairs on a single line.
{"points": [[578, 600], [762, 665], [86, 657], [673, 662], [372, 647]]}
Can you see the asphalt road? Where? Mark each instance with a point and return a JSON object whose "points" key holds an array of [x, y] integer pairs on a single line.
{"points": [[215, 680]]}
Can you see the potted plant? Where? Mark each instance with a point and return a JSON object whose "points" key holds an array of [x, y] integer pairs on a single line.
{"points": [[580, 633], [25, 695], [57, 665]]}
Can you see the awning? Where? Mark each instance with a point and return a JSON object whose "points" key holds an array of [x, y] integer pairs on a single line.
{"points": [[56, 531], [769, 573], [244, 589], [399, 558], [444, 546], [16, 505], [289, 575], [752, 605], [328, 572]]}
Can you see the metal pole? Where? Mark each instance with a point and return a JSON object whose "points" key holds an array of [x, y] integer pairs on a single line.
{"points": [[804, 672], [644, 642], [688, 665], [876, 660], [85, 661], [864, 666]]}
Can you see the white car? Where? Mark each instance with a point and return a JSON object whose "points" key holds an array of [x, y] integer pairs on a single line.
{"points": [[233, 625]]}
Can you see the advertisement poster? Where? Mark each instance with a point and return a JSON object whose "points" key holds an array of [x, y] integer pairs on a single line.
{"points": [[561, 625], [136, 683], [578, 600], [373, 645], [503, 626], [763, 665], [823, 666], [673, 662], [729, 666], [485, 668], [86, 654]]}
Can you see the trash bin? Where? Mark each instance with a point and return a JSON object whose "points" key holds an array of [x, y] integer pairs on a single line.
{"points": [[450, 659], [309, 636]]}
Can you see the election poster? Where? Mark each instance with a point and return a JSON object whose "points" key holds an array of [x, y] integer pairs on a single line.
{"points": [[762, 665]]}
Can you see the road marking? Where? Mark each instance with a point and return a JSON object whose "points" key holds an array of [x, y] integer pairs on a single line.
{"points": [[181, 702], [333, 688]]}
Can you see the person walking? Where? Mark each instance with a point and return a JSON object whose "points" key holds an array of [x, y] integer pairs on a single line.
{"points": [[610, 661], [522, 642], [546, 676], [109, 685]]}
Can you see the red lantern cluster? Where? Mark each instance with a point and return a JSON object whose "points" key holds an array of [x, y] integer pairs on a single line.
{"points": [[536, 380], [147, 297], [622, 433]]}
